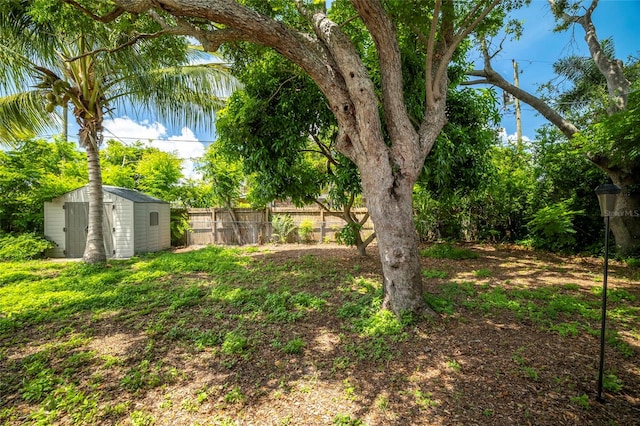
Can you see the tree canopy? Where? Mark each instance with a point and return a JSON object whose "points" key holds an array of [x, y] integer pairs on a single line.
{"points": [[379, 130]]}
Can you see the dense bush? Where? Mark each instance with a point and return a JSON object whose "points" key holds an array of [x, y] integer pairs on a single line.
{"points": [[23, 246], [552, 227], [348, 234]]}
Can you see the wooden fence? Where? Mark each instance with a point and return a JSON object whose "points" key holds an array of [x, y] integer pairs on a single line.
{"points": [[219, 226]]}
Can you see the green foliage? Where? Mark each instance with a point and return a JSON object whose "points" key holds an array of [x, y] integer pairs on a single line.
{"points": [[294, 346], [506, 208], [346, 420], [35, 389], [305, 230], [434, 273], [581, 400], [34, 172], [379, 323], [141, 418], [281, 227], [552, 227], [616, 136], [159, 173], [268, 125], [448, 251], [179, 227], [234, 343], [611, 383], [235, 396], [452, 190], [553, 156], [23, 246], [225, 175], [347, 235], [482, 273]]}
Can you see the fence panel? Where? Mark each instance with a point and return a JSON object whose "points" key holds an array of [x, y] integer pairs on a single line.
{"points": [[217, 226]]}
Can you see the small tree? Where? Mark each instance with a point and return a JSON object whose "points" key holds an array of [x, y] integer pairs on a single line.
{"points": [[226, 179], [34, 172], [280, 129]]}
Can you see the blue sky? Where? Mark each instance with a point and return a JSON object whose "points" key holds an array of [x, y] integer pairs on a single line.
{"points": [[539, 47], [535, 53]]}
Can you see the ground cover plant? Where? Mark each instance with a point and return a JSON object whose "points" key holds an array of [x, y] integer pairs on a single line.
{"points": [[291, 335]]}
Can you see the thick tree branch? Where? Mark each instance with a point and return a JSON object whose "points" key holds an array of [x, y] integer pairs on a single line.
{"points": [[468, 24], [383, 32], [211, 40], [491, 76], [617, 84], [357, 113], [430, 96], [401, 132], [132, 41]]}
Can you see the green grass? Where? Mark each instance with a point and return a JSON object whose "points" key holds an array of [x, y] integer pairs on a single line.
{"points": [[231, 310], [434, 273], [448, 251], [482, 273]]}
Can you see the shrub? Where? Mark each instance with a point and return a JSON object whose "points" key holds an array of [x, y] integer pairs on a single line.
{"points": [[347, 235], [282, 226], [23, 247], [305, 230], [552, 227], [180, 226]]}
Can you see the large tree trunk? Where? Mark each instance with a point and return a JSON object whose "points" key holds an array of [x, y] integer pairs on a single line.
{"points": [[625, 224], [391, 209], [94, 251]]}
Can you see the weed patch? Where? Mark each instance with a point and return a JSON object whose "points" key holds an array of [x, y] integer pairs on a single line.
{"points": [[448, 251]]}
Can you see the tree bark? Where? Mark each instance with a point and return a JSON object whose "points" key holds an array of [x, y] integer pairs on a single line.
{"points": [[625, 222], [234, 224], [94, 251], [391, 211], [625, 225]]}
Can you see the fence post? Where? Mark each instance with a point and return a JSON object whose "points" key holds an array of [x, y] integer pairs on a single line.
{"points": [[214, 218]]}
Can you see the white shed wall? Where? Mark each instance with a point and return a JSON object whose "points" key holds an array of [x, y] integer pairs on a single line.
{"points": [[123, 223], [141, 227], [54, 218], [156, 237], [164, 239]]}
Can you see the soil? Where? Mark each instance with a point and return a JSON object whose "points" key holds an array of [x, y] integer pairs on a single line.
{"points": [[468, 367]]}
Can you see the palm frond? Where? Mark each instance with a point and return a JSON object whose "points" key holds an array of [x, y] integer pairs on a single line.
{"points": [[23, 115], [183, 96]]}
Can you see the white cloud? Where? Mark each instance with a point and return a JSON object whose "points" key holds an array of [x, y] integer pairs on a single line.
{"points": [[511, 139], [185, 145]]}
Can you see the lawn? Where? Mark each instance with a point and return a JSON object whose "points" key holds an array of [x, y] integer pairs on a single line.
{"points": [[291, 335]]}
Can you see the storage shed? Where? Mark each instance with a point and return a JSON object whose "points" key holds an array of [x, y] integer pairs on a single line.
{"points": [[134, 223]]}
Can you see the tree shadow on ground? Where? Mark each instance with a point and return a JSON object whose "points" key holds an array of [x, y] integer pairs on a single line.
{"points": [[271, 337]]}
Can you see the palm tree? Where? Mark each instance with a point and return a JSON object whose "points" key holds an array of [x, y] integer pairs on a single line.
{"points": [[94, 71]]}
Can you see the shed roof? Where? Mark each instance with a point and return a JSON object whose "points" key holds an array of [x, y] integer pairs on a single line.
{"points": [[132, 195]]}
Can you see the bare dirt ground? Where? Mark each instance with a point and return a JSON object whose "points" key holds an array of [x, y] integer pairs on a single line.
{"points": [[466, 367]]}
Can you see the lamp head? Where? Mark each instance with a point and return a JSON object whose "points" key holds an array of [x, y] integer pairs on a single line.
{"points": [[607, 195]]}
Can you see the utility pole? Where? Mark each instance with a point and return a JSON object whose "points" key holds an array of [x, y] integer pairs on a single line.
{"points": [[65, 122], [516, 82]]}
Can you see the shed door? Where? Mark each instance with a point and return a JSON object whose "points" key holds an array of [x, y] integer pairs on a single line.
{"points": [[77, 225]]}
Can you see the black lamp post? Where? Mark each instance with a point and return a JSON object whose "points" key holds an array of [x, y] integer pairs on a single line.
{"points": [[607, 194]]}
